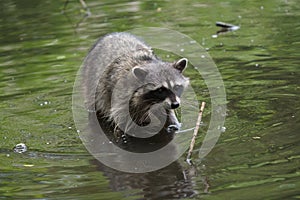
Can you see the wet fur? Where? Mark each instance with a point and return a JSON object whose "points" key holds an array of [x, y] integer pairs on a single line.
{"points": [[108, 70]]}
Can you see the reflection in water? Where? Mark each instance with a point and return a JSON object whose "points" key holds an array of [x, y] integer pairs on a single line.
{"points": [[130, 143], [171, 182]]}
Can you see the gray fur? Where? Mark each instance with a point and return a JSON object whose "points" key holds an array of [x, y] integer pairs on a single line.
{"points": [[119, 69]]}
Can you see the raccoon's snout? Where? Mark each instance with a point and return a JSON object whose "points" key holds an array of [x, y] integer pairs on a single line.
{"points": [[174, 105], [169, 104]]}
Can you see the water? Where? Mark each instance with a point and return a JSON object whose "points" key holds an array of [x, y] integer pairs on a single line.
{"points": [[258, 155]]}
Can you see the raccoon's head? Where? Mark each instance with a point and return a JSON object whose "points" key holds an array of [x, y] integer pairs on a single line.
{"points": [[163, 83]]}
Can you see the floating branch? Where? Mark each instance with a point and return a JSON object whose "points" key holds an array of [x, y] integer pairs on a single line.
{"points": [[226, 27], [188, 158]]}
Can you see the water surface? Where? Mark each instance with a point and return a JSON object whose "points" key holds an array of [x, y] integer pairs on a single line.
{"points": [[257, 157]]}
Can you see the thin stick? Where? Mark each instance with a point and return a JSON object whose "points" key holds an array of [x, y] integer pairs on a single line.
{"points": [[88, 12], [83, 4], [188, 158]]}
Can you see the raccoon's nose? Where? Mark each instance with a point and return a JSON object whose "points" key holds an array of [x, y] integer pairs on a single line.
{"points": [[174, 105]]}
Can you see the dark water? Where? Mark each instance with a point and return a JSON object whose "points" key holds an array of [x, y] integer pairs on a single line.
{"points": [[257, 157]]}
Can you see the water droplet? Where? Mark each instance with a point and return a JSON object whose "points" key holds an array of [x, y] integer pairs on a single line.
{"points": [[78, 131], [69, 127], [182, 50], [261, 7], [214, 36], [256, 65], [45, 103], [202, 56]]}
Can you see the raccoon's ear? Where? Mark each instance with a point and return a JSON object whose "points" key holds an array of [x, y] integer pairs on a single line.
{"points": [[139, 73], [181, 64]]}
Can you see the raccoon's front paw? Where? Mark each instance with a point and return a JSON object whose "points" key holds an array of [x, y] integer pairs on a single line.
{"points": [[120, 136], [173, 127]]}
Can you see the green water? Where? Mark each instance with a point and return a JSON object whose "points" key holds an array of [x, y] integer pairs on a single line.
{"points": [[41, 49]]}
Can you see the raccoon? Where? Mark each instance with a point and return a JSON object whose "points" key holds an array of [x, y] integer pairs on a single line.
{"points": [[127, 84]]}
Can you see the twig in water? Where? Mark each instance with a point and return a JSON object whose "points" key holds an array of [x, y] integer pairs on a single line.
{"points": [[83, 4], [188, 158], [85, 7]]}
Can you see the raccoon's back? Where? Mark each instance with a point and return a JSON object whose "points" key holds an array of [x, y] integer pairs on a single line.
{"points": [[112, 46], [106, 50]]}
